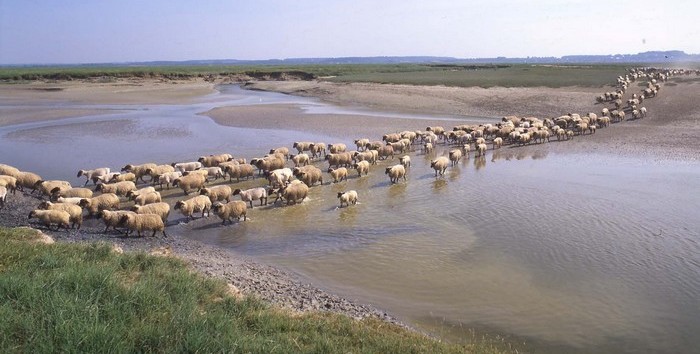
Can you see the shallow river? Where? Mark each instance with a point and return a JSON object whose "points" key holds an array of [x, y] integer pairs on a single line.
{"points": [[565, 252]]}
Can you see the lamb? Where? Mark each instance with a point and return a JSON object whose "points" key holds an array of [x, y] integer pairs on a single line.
{"points": [[188, 183], [160, 170], [455, 155], [112, 218], [363, 167], [9, 170], [27, 180], [217, 193], [99, 203], [340, 159], [440, 165], [93, 174], [302, 146], [281, 150], [336, 148], [8, 182], [214, 160], [49, 217], [230, 210], [385, 151], [129, 176], [147, 198], [3, 196], [481, 148], [187, 166], [293, 193], [362, 144], [395, 172], [240, 171], [338, 174], [142, 222], [119, 188], [195, 204], [139, 170], [280, 177], [347, 198], [300, 160], [70, 193], [309, 175], [161, 209], [249, 195], [45, 187], [497, 142], [168, 178]]}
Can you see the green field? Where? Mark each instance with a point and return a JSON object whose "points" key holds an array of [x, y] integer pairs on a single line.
{"points": [[70, 298]]}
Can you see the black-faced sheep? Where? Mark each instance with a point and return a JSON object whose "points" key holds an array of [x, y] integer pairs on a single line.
{"points": [[362, 167], [193, 205], [94, 174], [119, 188], [239, 171], [161, 209], [112, 218], [338, 174], [310, 175], [395, 172], [45, 187], [455, 155], [217, 193], [214, 160], [347, 198], [249, 195], [440, 165], [71, 193], [192, 182], [233, 209], [106, 201], [75, 211], [343, 159], [51, 217], [292, 193], [147, 198], [139, 170], [143, 222]]}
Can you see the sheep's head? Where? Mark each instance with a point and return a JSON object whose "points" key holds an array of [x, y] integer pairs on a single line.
{"points": [[44, 205], [176, 181], [201, 159], [340, 194], [179, 204], [81, 172], [204, 191], [387, 171], [217, 207], [128, 167], [237, 191], [32, 214], [84, 203]]}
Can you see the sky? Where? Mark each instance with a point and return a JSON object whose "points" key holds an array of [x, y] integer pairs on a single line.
{"points": [[110, 31]]}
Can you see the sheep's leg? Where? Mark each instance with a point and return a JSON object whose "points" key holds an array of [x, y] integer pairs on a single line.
{"points": [[153, 234]]}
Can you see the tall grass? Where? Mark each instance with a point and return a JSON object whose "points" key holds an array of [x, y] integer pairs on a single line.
{"points": [[86, 298]]}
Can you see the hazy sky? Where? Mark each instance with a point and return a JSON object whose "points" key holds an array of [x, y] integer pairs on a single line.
{"points": [[72, 31]]}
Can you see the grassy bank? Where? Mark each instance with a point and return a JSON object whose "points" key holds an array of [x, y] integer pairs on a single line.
{"points": [[87, 298]]}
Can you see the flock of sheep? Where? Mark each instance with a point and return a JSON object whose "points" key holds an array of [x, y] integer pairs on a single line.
{"points": [[289, 177]]}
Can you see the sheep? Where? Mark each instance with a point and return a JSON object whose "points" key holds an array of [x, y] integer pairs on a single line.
{"points": [[142, 222], [440, 165], [75, 211], [239, 171], [498, 142], [336, 148], [385, 151], [293, 193], [466, 148], [374, 145], [643, 112], [71, 200], [368, 156], [428, 148], [230, 210], [605, 112], [48, 217], [284, 151], [317, 149], [9, 182], [347, 198], [45, 187], [300, 160], [3, 196], [215, 172], [302, 146], [269, 163], [9, 170], [101, 202], [217, 193], [161, 209], [70, 193], [139, 170], [187, 166], [203, 173], [591, 129], [340, 159], [362, 144], [481, 148], [479, 141], [131, 195], [188, 183], [168, 178], [112, 218], [129, 176], [362, 167], [214, 160], [93, 174], [309, 175], [391, 138], [455, 155], [280, 177], [395, 172], [160, 170], [106, 178], [119, 188], [147, 198], [249, 195], [27, 180], [437, 130], [195, 204], [338, 174]]}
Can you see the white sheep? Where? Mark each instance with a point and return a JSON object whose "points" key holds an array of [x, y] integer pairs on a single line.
{"points": [[49, 217], [217, 193], [72, 200], [405, 160], [498, 142], [215, 172], [168, 178], [160, 170], [3, 196], [362, 144], [139, 170], [9, 170], [337, 148], [300, 160], [280, 177], [239, 171], [230, 210], [309, 174], [147, 198], [440, 165], [338, 174], [143, 222], [161, 209], [190, 182], [27, 180], [131, 195], [428, 147], [214, 160], [249, 195], [455, 155], [292, 193], [347, 198], [119, 188], [481, 148], [8, 182], [395, 172], [187, 166], [94, 174], [112, 218], [193, 205], [71, 193], [101, 202], [75, 211], [45, 187], [362, 167]]}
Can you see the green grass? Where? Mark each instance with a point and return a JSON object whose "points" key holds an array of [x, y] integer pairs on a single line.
{"points": [[86, 298]]}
